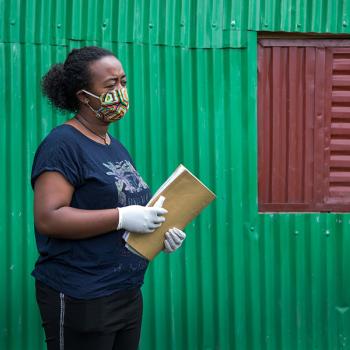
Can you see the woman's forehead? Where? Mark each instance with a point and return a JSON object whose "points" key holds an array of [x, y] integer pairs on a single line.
{"points": [[106, 67]]}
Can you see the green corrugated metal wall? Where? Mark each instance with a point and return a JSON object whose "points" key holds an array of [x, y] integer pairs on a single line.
{"points": [[242, 280]]}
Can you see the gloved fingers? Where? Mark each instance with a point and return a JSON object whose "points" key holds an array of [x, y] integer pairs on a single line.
{"points": [[155, 218], [176, 239], [158, 211], [169, 238], [168, 248], [158, 219], [155, 226], [159, 202], [179, 233]]}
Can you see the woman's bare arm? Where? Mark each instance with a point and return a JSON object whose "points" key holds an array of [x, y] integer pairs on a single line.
{"points": [[55, 218]]}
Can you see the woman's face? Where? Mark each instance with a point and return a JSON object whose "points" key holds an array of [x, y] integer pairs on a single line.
{"points": [[107, 74]]}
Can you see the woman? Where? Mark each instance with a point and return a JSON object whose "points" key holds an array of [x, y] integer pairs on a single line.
{"points": [[87, 194]]}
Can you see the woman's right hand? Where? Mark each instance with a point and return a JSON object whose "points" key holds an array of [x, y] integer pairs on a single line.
{"points": [[139, 219]]}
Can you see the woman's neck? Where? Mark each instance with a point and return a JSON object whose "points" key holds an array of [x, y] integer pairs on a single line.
{"points": [[96, 130], [93, 123]]}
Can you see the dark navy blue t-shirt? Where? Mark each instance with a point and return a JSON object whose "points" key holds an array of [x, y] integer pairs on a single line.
{"points": [[104, 177]]}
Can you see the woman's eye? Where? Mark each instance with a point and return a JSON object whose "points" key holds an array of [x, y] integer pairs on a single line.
{"points": [[112, 87]]}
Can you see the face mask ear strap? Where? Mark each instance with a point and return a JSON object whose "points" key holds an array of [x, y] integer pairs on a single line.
{"points": [[98, 115], [90, 93]]}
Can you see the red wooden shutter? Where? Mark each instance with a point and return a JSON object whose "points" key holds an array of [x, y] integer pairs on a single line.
{"points": [[304, 125]]}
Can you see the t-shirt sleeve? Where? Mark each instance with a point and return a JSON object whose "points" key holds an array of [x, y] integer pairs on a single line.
{"points": [[57, 157]]}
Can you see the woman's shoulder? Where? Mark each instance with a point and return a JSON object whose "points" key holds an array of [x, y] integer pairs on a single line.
{"points": [[120, 146], [57, 152], [60, 136], [60, 141], [62, 132], [117, 142]]}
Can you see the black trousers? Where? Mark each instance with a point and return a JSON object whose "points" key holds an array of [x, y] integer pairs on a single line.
{"points": [[107, 323]]}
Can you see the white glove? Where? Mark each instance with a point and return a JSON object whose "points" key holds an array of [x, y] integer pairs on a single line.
{"points": [[139, 219], [173, 240]]}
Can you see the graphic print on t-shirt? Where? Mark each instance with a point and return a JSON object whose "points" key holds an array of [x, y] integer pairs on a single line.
{"points": [[127, 180]]}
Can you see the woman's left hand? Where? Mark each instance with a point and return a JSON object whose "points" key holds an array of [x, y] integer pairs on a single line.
{"points": [[173, 239]]}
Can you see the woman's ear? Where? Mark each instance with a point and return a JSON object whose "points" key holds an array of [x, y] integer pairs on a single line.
{"points": [[81, 96]]}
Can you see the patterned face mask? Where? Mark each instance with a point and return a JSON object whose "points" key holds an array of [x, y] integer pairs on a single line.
{"points": [[114, 104]]}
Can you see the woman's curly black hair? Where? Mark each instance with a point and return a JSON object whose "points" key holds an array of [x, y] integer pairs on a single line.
{"points": [[63, 80]]}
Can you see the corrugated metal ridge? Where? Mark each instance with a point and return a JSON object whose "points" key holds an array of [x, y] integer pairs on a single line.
{"points": [[69, 42], [199, 24], [180, 23], [319, 16]]}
